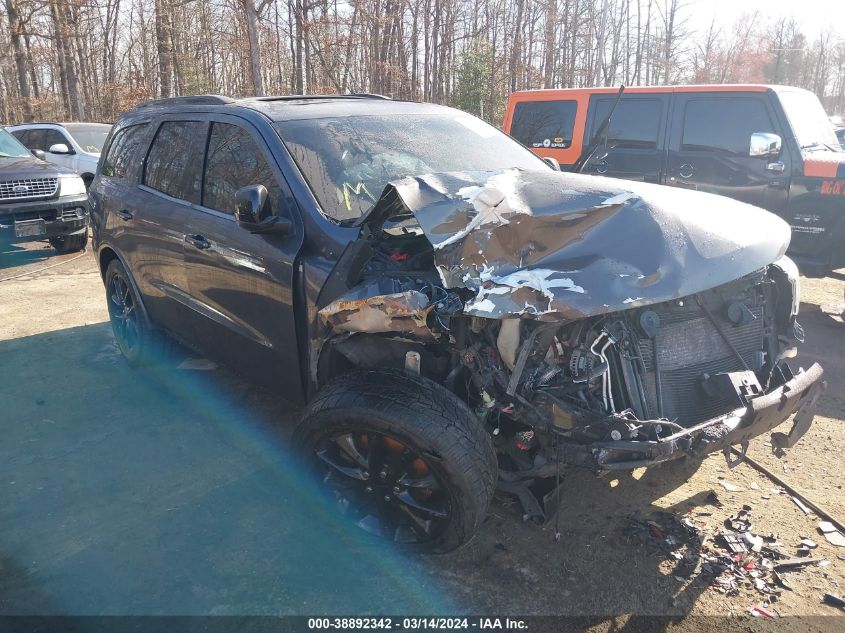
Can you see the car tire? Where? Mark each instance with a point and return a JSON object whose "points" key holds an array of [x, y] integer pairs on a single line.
{"points": [[139, 342], [418, 433], [70, 243]]}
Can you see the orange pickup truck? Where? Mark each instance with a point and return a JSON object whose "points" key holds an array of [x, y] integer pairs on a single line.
{"points": [[771, 146]]}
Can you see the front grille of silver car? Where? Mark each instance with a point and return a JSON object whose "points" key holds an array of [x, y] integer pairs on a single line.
{"points": [[27, 189]]}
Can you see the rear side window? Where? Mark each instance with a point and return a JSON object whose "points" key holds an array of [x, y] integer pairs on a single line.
{"points": [[124, 147], [544, 123], [174, 164], [234, 161], [724, 124], [635, 123]]}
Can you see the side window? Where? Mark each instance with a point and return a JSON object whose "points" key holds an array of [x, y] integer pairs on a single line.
{"points": [[32, 138], [723, 124], [123, 149], [544, 123], [174, 164], [635, 123], [54, 137], [234, 161], [23, 137]]}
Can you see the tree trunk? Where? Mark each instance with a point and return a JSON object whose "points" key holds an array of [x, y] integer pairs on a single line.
{"points": [[549, 41], [15, 29], [298, 88], [517, 45], [254, 51], [164, 47]]}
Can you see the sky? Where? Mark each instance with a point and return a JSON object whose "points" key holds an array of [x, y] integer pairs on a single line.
{"points": [[813, 15]]}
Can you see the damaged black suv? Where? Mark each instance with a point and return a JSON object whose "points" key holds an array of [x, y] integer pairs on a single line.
{"points": [[458, 314]]}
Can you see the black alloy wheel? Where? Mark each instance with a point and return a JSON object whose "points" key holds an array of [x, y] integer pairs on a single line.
{"points": [[385, 487], [136, 338], [124, 315], [401, 457]]}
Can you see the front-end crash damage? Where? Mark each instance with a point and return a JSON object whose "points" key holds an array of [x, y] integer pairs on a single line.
{"points": [[585, 321]]}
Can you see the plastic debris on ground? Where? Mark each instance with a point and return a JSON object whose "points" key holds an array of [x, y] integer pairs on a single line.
{"points": [[832, 534], [730, 558], [833, 601]]}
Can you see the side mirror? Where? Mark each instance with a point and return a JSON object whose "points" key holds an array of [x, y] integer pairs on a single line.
{"points": [[252, 212], [59, 148], [765, 145], [553, 162], [39, 153], [250, 203]]}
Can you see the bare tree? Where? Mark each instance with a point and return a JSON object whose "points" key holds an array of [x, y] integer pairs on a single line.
{"points": [[94, 58]]}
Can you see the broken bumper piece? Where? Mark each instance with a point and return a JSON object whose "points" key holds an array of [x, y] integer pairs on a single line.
{"points": [[797, 395]]}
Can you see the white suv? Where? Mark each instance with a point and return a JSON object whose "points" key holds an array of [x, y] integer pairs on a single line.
{"points": [[75, 146]]}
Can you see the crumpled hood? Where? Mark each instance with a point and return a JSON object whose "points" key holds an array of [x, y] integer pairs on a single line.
{"points": [[552, 245]]}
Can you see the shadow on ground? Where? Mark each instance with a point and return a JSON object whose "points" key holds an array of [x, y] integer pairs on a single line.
{"points": [[12, 255], [166, 492]]}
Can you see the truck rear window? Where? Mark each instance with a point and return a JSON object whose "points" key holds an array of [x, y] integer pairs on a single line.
{"points": [[544, 123], [635, 123]]}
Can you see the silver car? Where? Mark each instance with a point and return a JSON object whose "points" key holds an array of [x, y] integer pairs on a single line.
{"points": [[75, 146]]}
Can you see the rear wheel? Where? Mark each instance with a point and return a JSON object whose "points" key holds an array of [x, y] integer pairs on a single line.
{"points": [[401, 457], [133, 333], [69, 243]]}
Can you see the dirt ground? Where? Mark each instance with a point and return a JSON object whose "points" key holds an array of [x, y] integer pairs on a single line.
{"points": [[169, 492]]}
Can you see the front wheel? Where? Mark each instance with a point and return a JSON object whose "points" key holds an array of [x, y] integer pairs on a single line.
{"points": [[401, 457], [69, 243]]}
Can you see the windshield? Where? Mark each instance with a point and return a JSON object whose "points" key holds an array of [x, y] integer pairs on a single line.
{"points": [[11, 147], [90, 138], [348, 161], [808, 120]]}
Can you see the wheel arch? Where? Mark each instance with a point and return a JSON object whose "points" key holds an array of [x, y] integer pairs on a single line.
{"points": [[105, 257], [366, 351]]}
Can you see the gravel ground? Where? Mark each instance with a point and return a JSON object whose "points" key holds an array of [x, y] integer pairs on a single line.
{"points": [[170, 492]]}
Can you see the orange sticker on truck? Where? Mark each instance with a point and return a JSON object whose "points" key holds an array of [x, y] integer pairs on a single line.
{"points": [[832, 188]]}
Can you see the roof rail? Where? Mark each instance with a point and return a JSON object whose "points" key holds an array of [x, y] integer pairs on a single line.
{"points": [[191, 100], [352, 95]]}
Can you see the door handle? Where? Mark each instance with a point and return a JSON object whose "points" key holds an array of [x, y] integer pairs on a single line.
{"points": [[686, 170], [198, 241], [124, 214]]}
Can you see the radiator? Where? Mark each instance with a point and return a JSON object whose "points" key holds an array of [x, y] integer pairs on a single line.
{"points": [[688, 346]]}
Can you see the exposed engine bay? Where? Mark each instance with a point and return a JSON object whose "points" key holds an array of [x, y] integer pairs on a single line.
{"points": [[596, 361]]}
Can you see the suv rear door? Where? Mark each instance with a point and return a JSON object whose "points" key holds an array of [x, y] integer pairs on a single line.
{"points": [[241, 283], [635, 138], [170, 186], [709, 147]]}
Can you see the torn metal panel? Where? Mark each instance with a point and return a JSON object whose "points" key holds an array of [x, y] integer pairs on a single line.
{"points": [[362, 311], [551, 245]]}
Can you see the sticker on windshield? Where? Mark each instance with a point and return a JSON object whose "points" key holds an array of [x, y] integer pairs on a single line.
{"points": [[359, 189]]}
